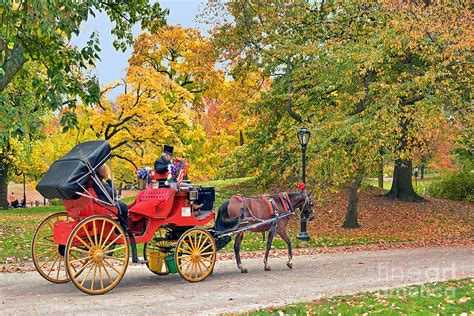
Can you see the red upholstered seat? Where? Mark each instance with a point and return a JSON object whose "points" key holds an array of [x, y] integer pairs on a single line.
{"points": [[85, 206], [153, 203]]}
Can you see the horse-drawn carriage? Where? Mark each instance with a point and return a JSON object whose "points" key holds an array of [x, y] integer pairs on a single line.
{"points": [[89, 244]]}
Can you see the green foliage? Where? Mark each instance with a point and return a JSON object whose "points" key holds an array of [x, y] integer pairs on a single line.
{"points": [[365, 78], [454, 185], [451, 297], [41, 31]]}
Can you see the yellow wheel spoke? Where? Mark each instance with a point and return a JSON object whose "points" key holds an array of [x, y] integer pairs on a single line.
{"points": [[59, 269], [84, 228], [115, 249], [187, 245], [183, 263], [82, 269], [52, 245], [81, 259], [207, 253], [108, 236], [113, 242], [185, 251], [101, 234], [206, 259], [44, 263], [95, 233], [205, 248], [54, 263], [82, 241], [110, 265], [183, 256], [199, 265], [93, 276], [115, 258], [188, 267], [100, 276], [107, 272], [80, 250], [46, 253], [88, 272], [198, 246]]}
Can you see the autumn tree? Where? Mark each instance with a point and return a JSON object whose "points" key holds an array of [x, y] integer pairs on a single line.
{"points": [[39, 33], [364, 79]]}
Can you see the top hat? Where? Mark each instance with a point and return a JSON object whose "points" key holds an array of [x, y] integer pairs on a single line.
{"points": [[168, 149]]}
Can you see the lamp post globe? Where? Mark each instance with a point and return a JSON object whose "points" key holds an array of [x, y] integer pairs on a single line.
{"points": [[303, 137]]}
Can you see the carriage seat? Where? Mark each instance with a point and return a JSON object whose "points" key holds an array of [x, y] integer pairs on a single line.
{"points": [[153, 203], [85, 206]]}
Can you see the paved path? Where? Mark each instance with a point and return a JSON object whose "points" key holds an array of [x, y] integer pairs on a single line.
{"points": [[227, 290]]}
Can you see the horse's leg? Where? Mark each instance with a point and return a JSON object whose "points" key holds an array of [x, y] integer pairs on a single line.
{"points": [[271, 234], [238, 240], [287, 239]]}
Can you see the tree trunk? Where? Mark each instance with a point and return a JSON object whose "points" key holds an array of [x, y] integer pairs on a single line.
{"points": [[13, 62], [3, 185], [352, 213], [402, 187], [380, 175]]}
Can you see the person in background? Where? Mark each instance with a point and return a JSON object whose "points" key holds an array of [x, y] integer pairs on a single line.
{"points": [[104, 174], [13, 200], [161, 164]]}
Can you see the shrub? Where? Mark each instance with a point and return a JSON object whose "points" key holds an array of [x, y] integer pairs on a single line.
{"points": [[454, 185]]}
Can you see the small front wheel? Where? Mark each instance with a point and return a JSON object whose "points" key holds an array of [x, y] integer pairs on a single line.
{"points": [[195, 255], [97, 254], [48, 257]]}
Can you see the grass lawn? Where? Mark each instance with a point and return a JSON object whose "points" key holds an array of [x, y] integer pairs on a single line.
{"points": [[17, 227], [381, 221], [446, 298]]}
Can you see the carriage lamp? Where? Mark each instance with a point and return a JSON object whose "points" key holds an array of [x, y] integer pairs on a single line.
{"points": [[303, 137], [193, 195]]}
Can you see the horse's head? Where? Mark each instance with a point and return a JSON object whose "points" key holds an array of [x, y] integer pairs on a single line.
{"points": [[304, 203], [307, 208]]}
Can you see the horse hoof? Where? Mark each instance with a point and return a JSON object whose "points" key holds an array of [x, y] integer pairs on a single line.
{"points": [[244, 271], [268, 269], [290, 265]]}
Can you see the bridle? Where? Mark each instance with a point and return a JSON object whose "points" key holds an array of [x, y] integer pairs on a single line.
{"points": [[307, 203]]}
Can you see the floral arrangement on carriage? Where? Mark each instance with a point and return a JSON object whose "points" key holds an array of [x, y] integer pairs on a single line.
{"points": [[176, 172]]}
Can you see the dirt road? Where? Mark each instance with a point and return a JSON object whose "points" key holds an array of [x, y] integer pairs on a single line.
{"points": [[227, 290]]}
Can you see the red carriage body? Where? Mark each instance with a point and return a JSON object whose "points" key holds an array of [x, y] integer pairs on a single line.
{"points": [[152, 209]]}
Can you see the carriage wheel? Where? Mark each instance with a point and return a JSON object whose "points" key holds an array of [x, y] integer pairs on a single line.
{"points": [[48, 257], [158, 244], [97, 254], [195, 255]]}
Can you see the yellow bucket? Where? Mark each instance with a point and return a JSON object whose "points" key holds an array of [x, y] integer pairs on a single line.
{"points": [[156, 261]]}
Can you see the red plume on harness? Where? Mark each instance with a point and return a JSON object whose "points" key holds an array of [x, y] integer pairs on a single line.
{"points": [[302, 186]]}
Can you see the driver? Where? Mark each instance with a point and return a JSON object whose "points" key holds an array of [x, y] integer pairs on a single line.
{"points": [[162, 164]]}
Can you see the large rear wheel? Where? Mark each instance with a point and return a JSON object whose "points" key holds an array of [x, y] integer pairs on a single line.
{"points": [[195, 255], [48, 257], [97, 254]]}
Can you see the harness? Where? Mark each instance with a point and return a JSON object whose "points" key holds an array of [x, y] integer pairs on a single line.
{"points": [[270, 202]]}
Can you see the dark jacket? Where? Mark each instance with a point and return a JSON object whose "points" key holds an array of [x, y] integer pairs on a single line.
{"points": [[161, 165], [108, 187]]}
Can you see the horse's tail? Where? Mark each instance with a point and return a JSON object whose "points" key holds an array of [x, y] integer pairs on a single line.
{"points": [[222, 213], [223, 221]]}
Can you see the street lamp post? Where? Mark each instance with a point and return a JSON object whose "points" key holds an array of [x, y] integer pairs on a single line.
{"points": [[23, 204], [303, 138]]}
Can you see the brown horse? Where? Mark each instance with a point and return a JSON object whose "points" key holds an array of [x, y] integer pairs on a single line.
{"points": [[253, 210]]}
